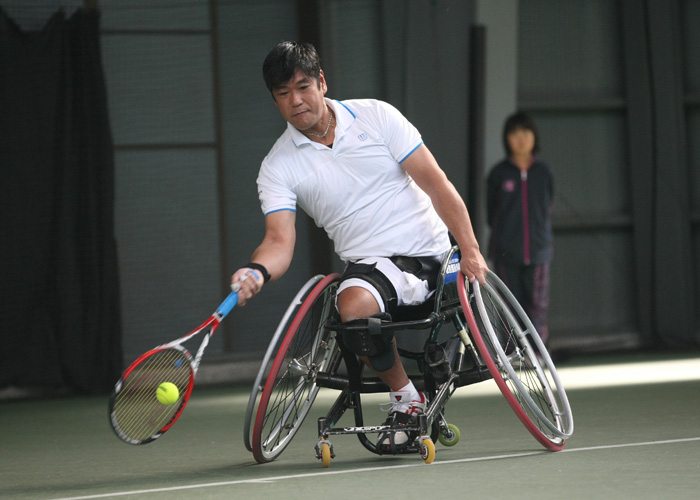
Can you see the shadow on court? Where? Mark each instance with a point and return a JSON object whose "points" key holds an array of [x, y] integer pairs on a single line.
{"points": [[637, 435]]}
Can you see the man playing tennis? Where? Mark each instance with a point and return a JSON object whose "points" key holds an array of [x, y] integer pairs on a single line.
{"points": [[362, 172]]}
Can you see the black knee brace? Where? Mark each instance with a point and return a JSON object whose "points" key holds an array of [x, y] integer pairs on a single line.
{"points": [[372, 342], [373, 276]]}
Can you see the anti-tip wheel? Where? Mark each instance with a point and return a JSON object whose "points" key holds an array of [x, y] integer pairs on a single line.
{"points": [[449, 436]]}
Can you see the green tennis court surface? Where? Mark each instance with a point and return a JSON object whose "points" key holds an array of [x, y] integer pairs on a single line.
{"points": [[637, 435]]}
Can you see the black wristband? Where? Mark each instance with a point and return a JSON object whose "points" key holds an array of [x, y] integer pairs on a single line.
{"points": [[261, 268]]}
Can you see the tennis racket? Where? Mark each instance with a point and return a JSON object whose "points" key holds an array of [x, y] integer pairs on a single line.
{"points": [[135, 413]]}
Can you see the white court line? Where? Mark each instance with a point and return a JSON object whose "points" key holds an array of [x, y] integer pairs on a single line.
{"points": [[372, 469]]}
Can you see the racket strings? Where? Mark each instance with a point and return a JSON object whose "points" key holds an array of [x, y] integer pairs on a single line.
{"points": [[137, 411]]}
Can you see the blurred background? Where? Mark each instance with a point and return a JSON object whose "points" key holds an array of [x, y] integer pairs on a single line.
{"points": [[131, 133]]}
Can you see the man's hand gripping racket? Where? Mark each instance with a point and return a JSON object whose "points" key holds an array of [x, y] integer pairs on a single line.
{"points": [[136, 413]]}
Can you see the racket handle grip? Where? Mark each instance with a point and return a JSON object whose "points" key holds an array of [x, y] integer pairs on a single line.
{"points": [[228, 304]]}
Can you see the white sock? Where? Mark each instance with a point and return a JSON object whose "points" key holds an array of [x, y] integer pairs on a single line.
{"points": [[410, 388]]}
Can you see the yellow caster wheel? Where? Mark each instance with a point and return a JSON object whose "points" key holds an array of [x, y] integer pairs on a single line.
{"points": [[324, 452], [427, 450], [450, 436]]}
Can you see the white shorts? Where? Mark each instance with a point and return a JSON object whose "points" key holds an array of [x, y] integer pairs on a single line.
{"points": [[410, 290]]}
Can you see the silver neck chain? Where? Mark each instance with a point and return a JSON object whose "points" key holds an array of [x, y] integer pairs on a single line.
{"points": [[328, 127]]}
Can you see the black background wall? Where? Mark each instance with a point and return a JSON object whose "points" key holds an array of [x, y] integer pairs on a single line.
{"points": [[613, 86]]}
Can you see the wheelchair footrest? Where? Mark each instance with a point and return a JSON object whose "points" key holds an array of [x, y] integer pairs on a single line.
{"points": [[421, 427], [417, 432]]}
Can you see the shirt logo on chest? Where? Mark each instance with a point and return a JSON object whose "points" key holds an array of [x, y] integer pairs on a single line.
{"points": [[509, 186], [362, 137]]}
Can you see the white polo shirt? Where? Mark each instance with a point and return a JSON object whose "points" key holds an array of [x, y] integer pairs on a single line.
{"points": [[357, 190]]}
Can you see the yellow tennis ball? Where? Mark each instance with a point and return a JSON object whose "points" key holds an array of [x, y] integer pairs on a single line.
{"points": [[167, 393]]}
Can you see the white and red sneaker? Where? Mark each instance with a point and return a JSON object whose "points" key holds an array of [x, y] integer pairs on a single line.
{"points": [[402, 412]]}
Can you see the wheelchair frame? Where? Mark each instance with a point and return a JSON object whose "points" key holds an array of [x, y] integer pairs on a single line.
{"points": [[493, 339]]}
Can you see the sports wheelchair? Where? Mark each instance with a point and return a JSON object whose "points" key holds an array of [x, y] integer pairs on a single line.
{"points": [[474, 333]]}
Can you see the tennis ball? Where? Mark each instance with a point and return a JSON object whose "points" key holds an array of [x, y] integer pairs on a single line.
{"points": [[167, 393]]}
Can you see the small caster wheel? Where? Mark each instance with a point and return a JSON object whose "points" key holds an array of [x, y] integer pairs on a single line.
{"points": [[324, 452], [427, 450], [449, 436]]}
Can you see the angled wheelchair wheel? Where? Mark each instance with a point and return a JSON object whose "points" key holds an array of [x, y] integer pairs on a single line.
{"points": [[518, 360], [271, 353], [290, 388]]}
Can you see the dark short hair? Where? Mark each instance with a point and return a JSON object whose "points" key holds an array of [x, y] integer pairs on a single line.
{"points": [[282, 62], [517, 121]]}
